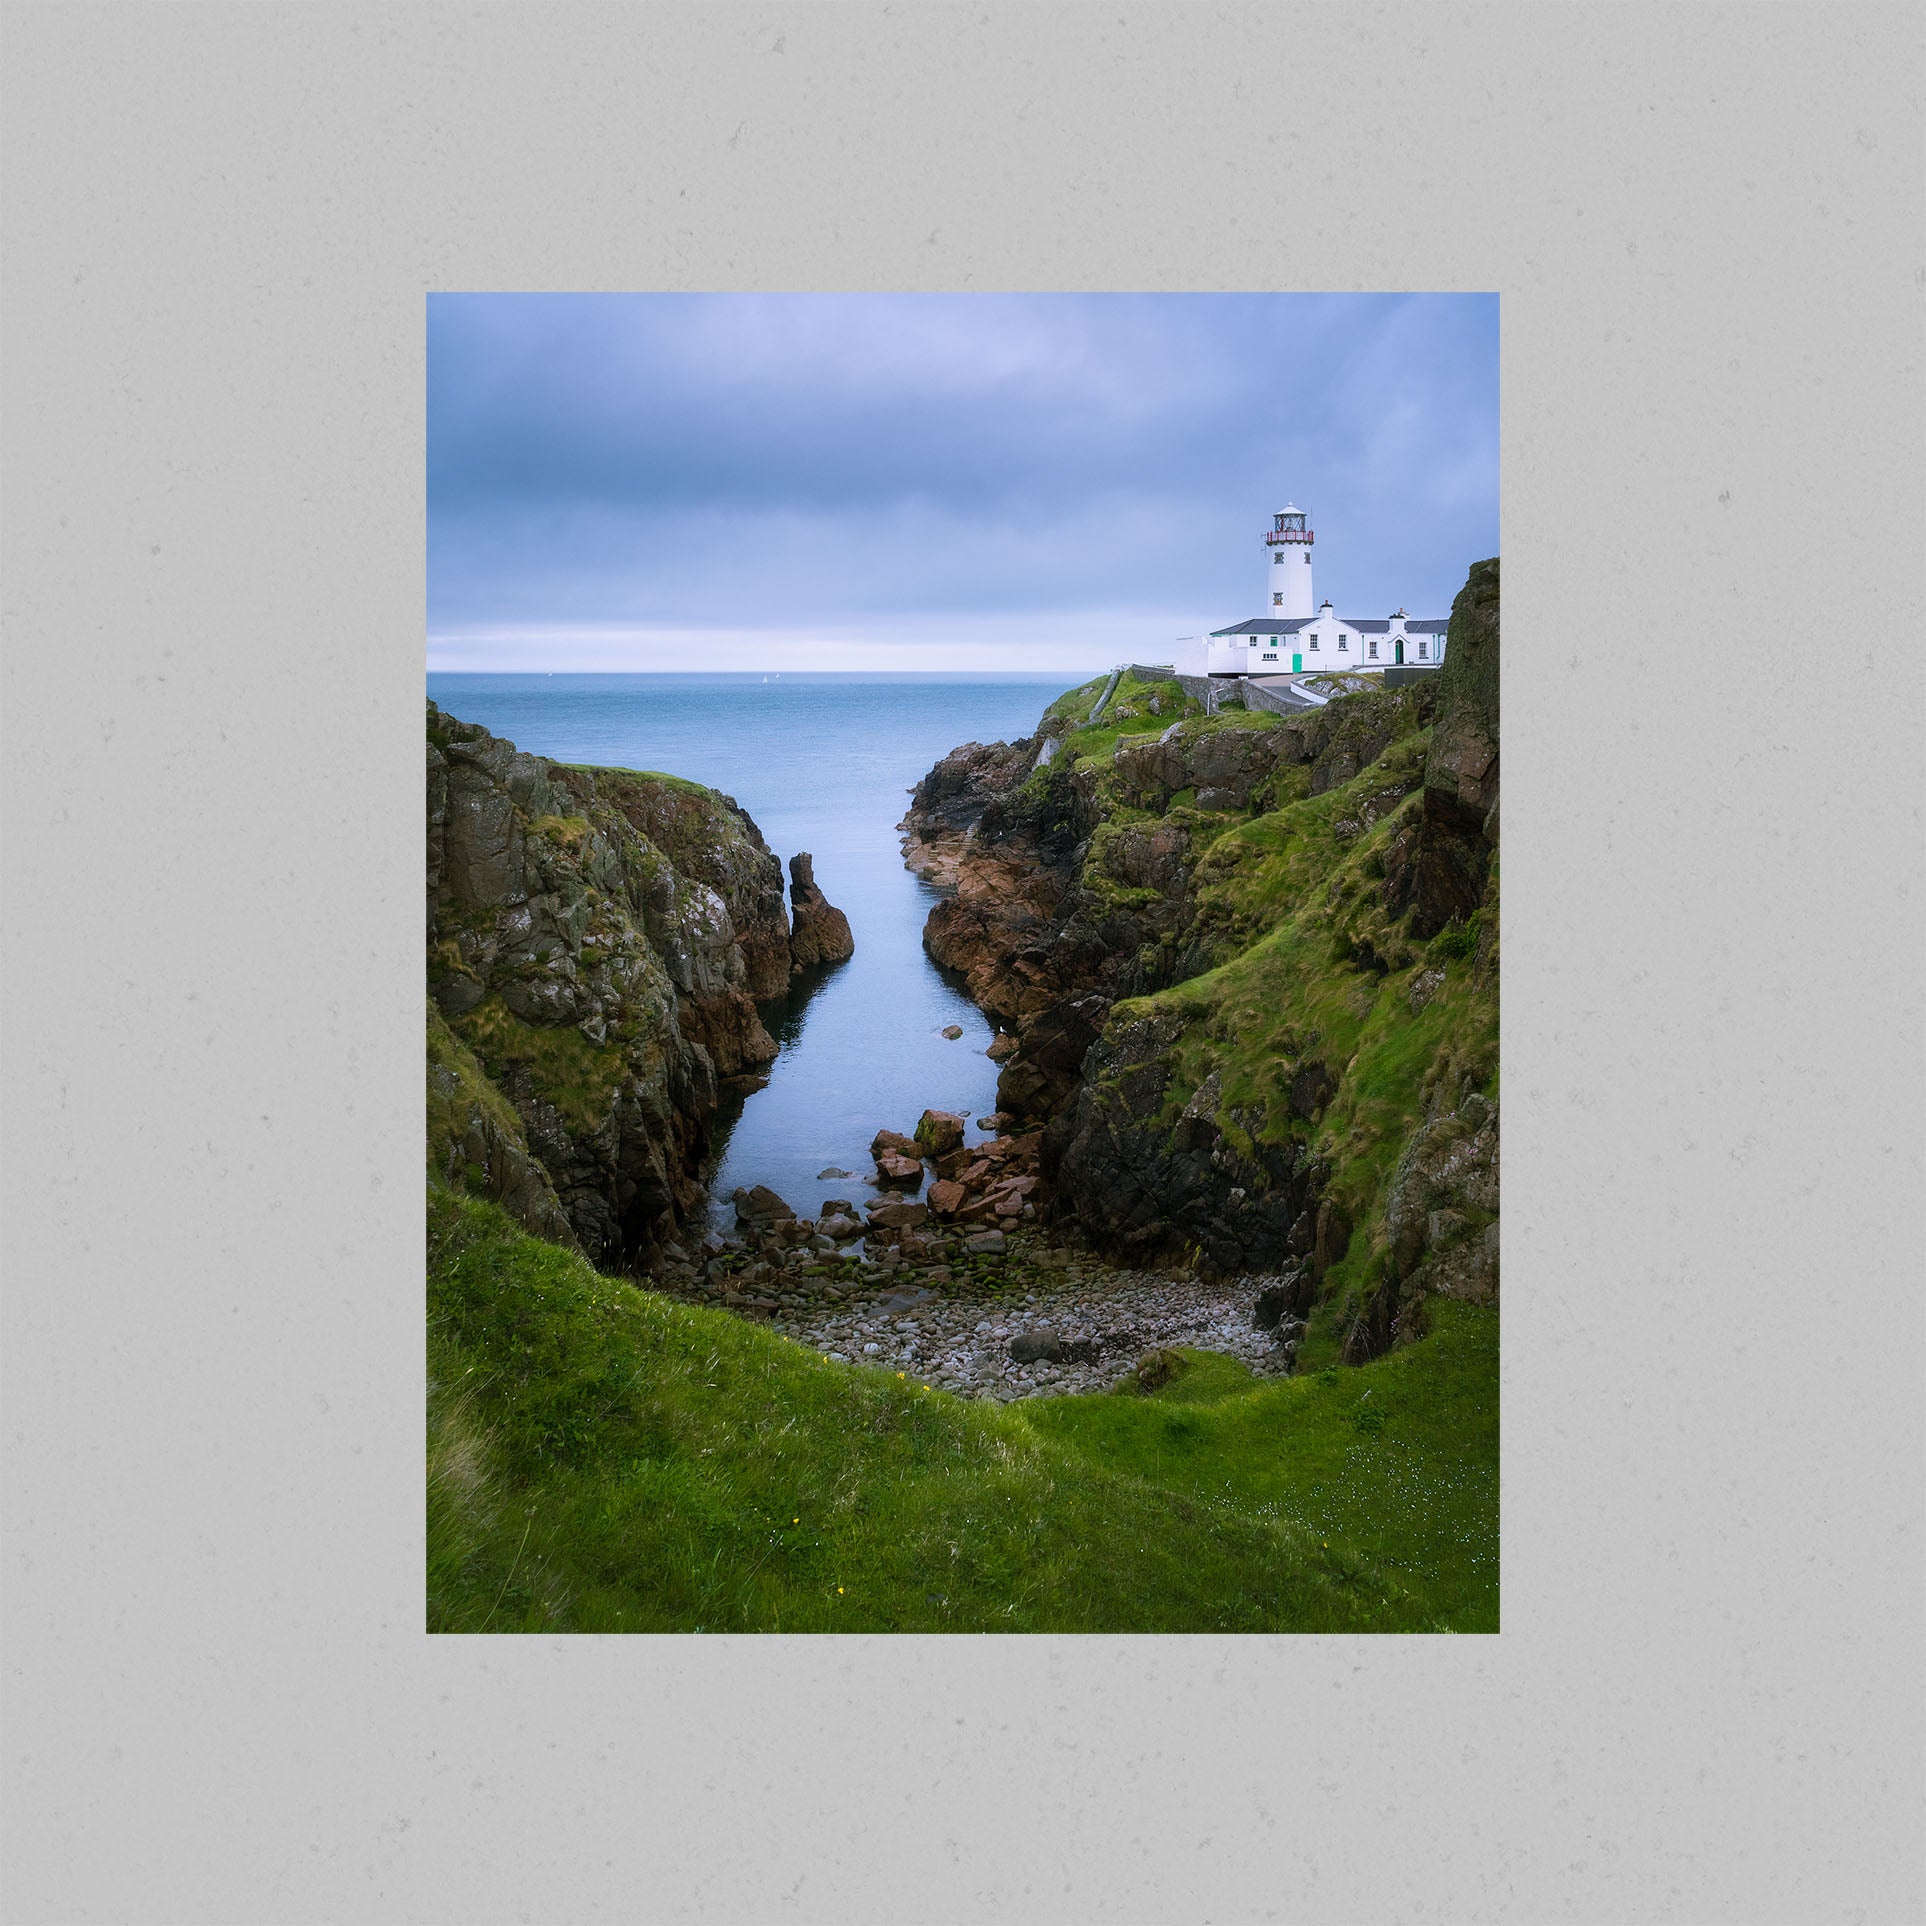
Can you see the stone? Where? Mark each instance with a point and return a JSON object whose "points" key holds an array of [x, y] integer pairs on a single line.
{"points": [[1035, 1345], [1001, 1046], [946, 1197], [989, 1243], [898, 1216], [952, 1031], [894, 1143], [899, 1173], [761, 1206], [833, 1175], [938, 1132]]}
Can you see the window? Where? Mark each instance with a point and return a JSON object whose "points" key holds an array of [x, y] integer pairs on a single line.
{"points": [[1279, 556], [1268, 657], [1313, 645], [1307, 558], [1374, 648], [1344, 641], [1277, 600], [1422, 651]]}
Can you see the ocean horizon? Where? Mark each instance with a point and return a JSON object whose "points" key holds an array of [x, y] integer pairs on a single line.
{"points": [[823, 761]]}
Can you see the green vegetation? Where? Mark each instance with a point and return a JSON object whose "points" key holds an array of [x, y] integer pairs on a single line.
{"points": [[1318, 970], [602, 1458], [681, 784], [564, 1068]]}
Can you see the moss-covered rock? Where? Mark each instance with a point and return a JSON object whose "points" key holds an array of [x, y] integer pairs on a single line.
{"points": [[1254, 981], [597, 940]]}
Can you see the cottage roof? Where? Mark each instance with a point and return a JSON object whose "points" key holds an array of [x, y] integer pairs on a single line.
{"points": [[1263, 625]]}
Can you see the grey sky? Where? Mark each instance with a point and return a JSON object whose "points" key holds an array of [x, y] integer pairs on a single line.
{"points": [[937, 481]]}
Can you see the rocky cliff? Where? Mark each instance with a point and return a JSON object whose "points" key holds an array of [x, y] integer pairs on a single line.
{"points": [[1249, 964], [598, 941]]}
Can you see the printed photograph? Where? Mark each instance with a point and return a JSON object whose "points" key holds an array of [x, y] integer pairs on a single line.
{"points": [[962, 963]]}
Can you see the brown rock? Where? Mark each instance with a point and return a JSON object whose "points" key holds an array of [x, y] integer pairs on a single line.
{"points": [[1004, 1045], [900, 1173], [893, 1140], [946, 1197], [938, 1132], [761, 1206], [819, 932], [898, 1216]]}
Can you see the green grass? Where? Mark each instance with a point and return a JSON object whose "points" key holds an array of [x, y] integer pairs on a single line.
{"points": [[602, 1458], [679, 783], [564, 1067], [1293, 898]]}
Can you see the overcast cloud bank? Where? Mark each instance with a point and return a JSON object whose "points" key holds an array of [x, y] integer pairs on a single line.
{"points": [[936, 481]]}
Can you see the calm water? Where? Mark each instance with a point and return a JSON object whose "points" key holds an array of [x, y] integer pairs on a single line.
{"points": [[823, 763]]}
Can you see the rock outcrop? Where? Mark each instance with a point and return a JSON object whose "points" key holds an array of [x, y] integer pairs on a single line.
{"points": [[819, 931], [598, 941], [1249, 963]]}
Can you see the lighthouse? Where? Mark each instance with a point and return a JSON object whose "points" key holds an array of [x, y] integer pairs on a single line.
{"points": [[1293, 637], [1287, 545]]}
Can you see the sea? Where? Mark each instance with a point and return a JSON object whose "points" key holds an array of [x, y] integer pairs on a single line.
{"points": [[823, 763]]}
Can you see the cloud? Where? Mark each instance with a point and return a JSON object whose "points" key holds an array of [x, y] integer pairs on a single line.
{"points": [[791, 465]]}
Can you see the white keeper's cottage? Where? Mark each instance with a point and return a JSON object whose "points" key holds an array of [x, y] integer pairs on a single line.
{"points": [[1292, 638]]}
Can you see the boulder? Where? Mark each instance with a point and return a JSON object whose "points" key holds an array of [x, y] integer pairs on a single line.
{"points": [[952, 1031], [898, 1216], [1033, 1346], [894, 1141], [938, 1132], [989, 1243], [946, 1197], [841, 1229], [1001, 1046], [899, 1173], [761, 1207]]}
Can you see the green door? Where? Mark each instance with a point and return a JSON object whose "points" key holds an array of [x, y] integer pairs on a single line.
{"points": [[1297, 663], [1400, 648]]}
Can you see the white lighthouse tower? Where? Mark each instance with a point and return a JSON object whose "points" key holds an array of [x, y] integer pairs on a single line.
{"points": [[1287, 544]]}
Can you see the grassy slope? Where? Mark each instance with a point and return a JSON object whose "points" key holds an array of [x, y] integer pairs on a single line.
{"points": [[602, 1458], [1295, 895]]}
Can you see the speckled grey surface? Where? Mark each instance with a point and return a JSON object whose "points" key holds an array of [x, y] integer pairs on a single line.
{"points": [[220, 224]]}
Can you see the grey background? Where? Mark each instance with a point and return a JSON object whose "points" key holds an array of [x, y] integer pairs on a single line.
{"points": [[1706, 225]]}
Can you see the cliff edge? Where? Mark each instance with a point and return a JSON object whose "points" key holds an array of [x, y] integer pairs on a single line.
{"points": [[598, 941], [1249, 965]]}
